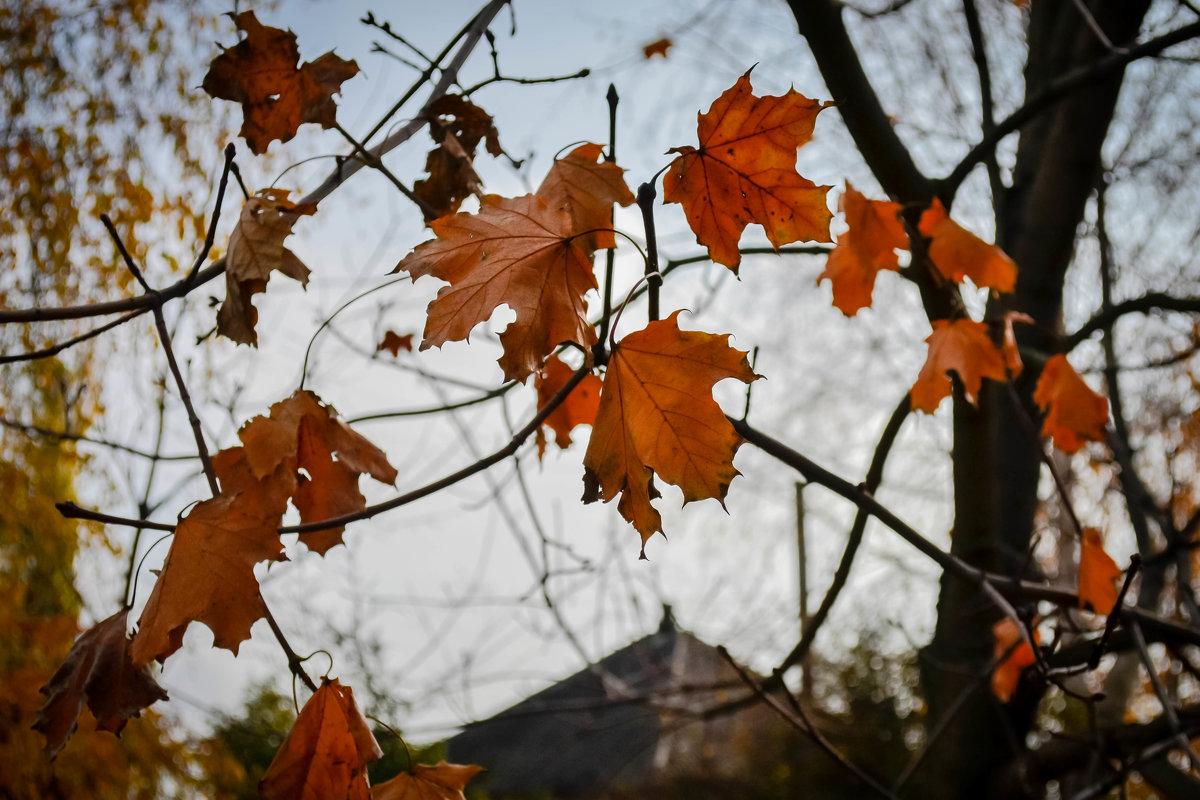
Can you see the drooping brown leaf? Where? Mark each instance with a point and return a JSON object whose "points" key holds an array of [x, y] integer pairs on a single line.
{"points": [[255, 251], [394, 343], [657, 48], [457, 126], [98, 669], [964, 347], [745, 171], [1012, 353], [516, 252], [1007, 635], [326, 753], [957, 253], [442, 781], [657, 415], [585, 186], [863, 251], [578, 409], [1074, 413], [208, 577], [277, 96], [1098, 574]]}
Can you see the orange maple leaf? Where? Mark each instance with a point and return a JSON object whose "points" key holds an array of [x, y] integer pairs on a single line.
{"points": [[863, 251], [586, 186], [326, 752], [957, 253], [1007, 674], [208, 577], [457, 126], [255, 251], [517, 252], [964, 347], [394, 343], [1074, 413], [745, 171], [578, 409], [277, 97], [97, 669], [1098, 574], [657, 415], [442, 781], [1012, 353], [657, 48]]}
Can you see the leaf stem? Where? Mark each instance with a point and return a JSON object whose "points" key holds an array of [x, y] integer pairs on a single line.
{"points": [[645, 200]]}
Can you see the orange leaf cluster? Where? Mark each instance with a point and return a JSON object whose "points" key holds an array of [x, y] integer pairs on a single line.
{"points": [[863, 251], [745, 172], [964, 347], [957, 253], [255, 251], [277, 96], [1074, 413], [457, 126], [325, 754], [1007, 675], [440, 782], [657, 415], [1098, 574], [99, 670], [578, 409]]}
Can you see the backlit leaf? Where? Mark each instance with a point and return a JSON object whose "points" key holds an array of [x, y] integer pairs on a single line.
{"points": [[862, 252], [964, 347], [1098, 574], [578, 409], [442, 781], [457, 126], [1007, 675], [1074, 413], [584, 185], [957, 253]]}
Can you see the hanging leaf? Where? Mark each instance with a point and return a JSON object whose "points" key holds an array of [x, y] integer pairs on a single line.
{"points": [[862, 252], [1074, 413], [440, 782], [957, 253], [394, 343], [1098, 574], [658, 47], [578, 409], [457, 126], [584, 185], [1007, 675], [964, 347]]}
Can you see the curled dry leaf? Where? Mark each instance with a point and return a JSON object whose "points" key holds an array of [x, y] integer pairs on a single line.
{"points": [[1012, 353], [99, 670], [964, 347], [255, 251], [1007, 675], [957, 253], [584, 185], [578, 409], [864, 250], [657, 415], [394, 343], [517, 252], [1074, 413], [1098, 574], [277, 96], [457, 126], [745, 171], [326, 752], [442, 781]]}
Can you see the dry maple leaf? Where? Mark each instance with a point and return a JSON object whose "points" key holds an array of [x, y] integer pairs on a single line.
{"points": [[578, 409], [584, 185], [255, 251], [97, 669], [657, 415], [442, 781], [394, 343], [866, 248], [1098, 574], [1012, 353], [1074, 413], [326, 752], [957, 253], [517, 252], [657, 48], [964, 347], [208, 577], [1007, 675], [277, 96], [457, 126], [745, 171]]}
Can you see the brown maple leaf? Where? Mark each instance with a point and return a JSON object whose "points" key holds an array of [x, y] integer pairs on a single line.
{"points": [[584, 185], [517, 252], [1074, 413], [394, 343], [255, 251], [277, 96], [964, 347], [957, 253], [1007, 639], [578, 409], [326, 752], [99, 670], [864, 250], [208, 577], [1098, 574], [456, 126], [745, 171], [657, 415], [1012, 353], [441, 781], [657, 48]]}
